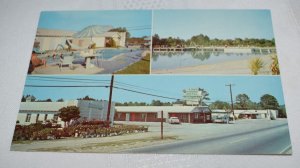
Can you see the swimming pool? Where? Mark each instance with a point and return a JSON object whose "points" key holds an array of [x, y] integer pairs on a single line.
{"points": [[99, 53]]}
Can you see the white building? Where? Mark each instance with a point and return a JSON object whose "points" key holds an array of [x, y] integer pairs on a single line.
{"points": [[49, 39], [32, 112], [244, 114]]}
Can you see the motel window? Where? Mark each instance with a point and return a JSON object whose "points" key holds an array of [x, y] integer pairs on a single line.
{"points": [[46, 116], [207, 117], [196, 115], [28, 116], [201, 117], [37, 117], [119, 115], [55, 118], [143, 116]]}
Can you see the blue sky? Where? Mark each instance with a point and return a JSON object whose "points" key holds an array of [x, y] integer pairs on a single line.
{"points": [[222, 24], [165, 85], [77, 20]]}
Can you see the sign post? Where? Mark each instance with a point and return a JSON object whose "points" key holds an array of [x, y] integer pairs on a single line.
{"points": [[161, 125]]}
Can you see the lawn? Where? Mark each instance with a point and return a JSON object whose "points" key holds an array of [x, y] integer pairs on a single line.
{"points": [[140, 67]]}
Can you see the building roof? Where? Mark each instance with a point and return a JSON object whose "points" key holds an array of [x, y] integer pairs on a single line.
{"points": [[45, 106], [172, 109], [251, 111], [54, 33], [92, 31]]}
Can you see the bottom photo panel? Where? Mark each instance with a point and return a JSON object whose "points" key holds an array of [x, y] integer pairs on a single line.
{"points": [[159, 114]]}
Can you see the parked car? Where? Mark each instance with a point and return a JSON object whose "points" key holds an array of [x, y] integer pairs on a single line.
{"points": [[174, 120], [220, 119]]}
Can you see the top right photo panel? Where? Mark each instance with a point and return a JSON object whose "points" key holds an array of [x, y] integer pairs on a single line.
{"points": [[213, 42]]}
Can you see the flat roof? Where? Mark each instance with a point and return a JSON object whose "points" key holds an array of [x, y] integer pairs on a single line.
{"points": [[54, 33], [45, 106], [173, 109]]}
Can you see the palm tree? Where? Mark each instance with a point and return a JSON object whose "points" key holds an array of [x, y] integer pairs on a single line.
{"points": [[204, 95], [255, 65]]}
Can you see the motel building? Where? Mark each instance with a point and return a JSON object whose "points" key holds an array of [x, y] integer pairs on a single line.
{"points": [[51, 39], [186, 114], [33, 112], [220, 116]]}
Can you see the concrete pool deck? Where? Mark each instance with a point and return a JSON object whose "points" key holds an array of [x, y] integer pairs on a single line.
{"points": [[228, 67], [77, 69], [108, 66]]}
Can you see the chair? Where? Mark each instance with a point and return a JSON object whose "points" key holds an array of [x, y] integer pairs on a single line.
{"points": [[68, 60]]}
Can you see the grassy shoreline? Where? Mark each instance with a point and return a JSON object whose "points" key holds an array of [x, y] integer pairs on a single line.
{"points": [[140, 67]]}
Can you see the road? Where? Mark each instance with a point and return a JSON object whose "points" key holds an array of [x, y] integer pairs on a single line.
{"points": [[270, 140]]}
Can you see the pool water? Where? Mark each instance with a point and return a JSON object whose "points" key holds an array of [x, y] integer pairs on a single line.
{"points": [[100, 54], [173, 60]]}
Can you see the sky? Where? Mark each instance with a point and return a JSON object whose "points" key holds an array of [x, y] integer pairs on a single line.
{"points": [[134, 20], [221, 24], [164, 85]]}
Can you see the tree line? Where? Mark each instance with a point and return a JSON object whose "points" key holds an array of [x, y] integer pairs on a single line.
{"points": [[34, 99], [204, 40], [242, 102]]}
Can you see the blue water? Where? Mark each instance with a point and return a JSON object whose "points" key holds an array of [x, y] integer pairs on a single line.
{"points": [[100, 54], [173, 60]]}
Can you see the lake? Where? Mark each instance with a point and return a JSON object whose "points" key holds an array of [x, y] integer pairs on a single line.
{"points": [[173, 60]]}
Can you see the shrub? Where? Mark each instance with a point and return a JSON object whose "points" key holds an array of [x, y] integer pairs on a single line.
{"points": [[255, 65], [275, 65]]}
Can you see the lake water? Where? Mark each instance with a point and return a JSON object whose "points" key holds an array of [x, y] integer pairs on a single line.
{"points": [[173, 60]]}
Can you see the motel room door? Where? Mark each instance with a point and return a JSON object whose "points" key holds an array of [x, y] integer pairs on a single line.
{"points": [[127, 117]]}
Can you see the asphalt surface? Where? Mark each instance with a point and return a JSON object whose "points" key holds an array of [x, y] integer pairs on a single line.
{"points": [[264, 141]]}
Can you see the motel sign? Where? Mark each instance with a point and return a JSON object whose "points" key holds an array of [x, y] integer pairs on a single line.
{"points": [[192, 96]]}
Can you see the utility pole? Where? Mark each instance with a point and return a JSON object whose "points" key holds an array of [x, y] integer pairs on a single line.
{"points": [[110, 97], [231, 98], [162, 125]]}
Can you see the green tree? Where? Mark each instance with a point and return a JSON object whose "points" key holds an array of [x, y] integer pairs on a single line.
{"points": [[205, 96], [155, 40], [60, 100], [219, 105], [156, 103], [86, 98], [269, 102], [23, 99], [282, 111], [242, 100], [68, 113], [121, 29]]}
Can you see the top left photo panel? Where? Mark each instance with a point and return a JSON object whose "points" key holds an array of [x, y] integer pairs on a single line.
{"points": [[92, 42]]}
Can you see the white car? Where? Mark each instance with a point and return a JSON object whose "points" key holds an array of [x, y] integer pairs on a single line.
{"points": [[174, 120]]}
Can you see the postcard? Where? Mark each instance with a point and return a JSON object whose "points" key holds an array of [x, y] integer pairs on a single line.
{"points": [[154, 81]]}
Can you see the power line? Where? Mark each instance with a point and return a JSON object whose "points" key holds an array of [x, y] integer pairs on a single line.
{"points": [[56, 80], [149, 94], [64, 78], [136, 86], [80, 80], [104, 86], [63, 86], [138, 26]]}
